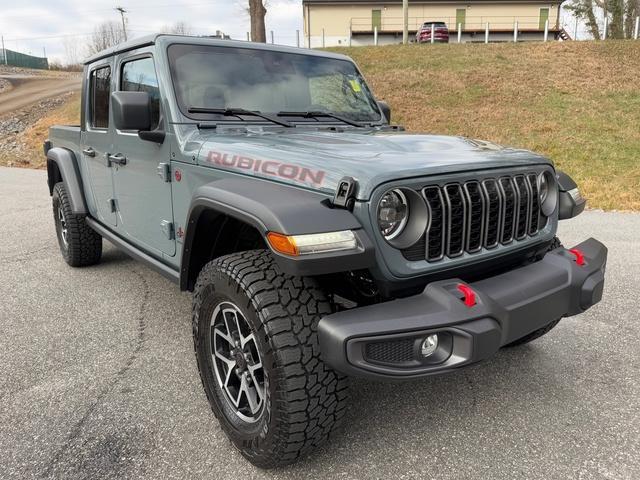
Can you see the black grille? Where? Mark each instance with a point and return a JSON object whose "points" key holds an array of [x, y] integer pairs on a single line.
{"points": [[473, 215], [394, 351], [536, 218], [436, 231], [494, 211], [509, 211]]}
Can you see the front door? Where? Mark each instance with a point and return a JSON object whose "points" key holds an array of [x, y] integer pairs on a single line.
{"points": [[376, 20], [143, 191], [97, 140], [461, 18], [544, 16]]}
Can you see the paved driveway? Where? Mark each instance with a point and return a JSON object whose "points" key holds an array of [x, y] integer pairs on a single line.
{"points": [[98, 379]]}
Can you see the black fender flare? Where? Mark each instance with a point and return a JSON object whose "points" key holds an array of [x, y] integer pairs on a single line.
{"points": [[271, 207], [67, 166], [571, 202]]}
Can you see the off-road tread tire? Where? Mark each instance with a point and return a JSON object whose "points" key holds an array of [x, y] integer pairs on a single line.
{"points": [[84, 244], [310, 398]]}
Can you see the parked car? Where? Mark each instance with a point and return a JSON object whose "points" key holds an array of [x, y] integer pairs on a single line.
{"points": [[440, 32], [319, 241]]}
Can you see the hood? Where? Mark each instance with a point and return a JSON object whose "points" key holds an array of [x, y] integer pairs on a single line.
{"points": [[319, 159]]}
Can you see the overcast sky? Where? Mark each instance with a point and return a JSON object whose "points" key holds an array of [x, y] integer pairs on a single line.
{"points": [[30, 25]]}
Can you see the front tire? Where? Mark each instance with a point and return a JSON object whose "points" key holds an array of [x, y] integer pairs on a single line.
{"points": [[251, 321], [80, 245]]}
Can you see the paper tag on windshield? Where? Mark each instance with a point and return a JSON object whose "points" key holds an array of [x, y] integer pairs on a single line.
{"points": [[355, 86]]}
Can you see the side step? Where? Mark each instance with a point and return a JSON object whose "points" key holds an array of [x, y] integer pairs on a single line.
{"points": [[132, 251]]}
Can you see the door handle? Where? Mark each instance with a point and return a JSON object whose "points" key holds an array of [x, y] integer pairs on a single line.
{"points": [[89, 152], [117, 158]]}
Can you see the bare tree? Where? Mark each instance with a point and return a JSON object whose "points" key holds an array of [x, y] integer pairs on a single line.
{"points": [[257, 12], [105, 35], [178, 28], [72, 52], [620, 14]]}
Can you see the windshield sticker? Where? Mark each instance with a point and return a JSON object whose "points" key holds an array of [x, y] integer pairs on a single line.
{"points": [[355, 86], [271, 168]]}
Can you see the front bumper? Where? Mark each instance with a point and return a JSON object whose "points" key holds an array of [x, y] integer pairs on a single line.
{"points": [[383, 340]]}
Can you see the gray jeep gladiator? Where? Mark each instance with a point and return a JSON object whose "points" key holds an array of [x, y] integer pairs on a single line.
{"points": [[319, 240]]}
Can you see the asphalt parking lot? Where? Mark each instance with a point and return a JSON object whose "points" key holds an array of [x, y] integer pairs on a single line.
{"points": [[98, 379]]}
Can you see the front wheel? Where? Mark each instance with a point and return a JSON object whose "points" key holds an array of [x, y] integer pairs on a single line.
{"points": [[256, 343]]}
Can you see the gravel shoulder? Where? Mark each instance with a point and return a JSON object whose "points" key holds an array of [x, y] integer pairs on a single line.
{"points": [[27, 97], [98, 379]]}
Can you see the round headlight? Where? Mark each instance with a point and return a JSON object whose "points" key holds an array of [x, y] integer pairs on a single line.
{"points": [[393, 213], [548, 193]]}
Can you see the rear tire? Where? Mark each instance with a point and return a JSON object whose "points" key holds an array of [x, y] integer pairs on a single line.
{"points": [[79, 244], [303, 400]]}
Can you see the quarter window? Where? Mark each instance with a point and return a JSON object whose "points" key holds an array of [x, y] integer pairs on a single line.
{"points": [[140, 76], [100, 82]]}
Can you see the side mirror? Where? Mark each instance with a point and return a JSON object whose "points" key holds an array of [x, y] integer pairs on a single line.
{"points": [[386, 110], [131, 110]]}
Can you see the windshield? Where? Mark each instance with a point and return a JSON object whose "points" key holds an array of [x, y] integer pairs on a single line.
{"points": [[208, 77]]}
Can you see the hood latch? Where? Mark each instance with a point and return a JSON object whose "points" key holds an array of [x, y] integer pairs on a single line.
{"points": [[345, 195]]}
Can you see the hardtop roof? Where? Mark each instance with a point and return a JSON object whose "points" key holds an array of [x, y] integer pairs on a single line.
{"points": [[194, 40]]}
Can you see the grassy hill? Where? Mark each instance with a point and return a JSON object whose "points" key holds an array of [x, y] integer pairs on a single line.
{"points": [[577, 102]]}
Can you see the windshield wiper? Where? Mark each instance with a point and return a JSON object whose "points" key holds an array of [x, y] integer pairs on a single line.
{"points": [[238, 112], [316, 114]]}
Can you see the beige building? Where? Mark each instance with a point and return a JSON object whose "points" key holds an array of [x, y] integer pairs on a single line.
{"points": [[355, 22]]}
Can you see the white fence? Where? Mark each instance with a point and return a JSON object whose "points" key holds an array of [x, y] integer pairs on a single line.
{"points": [[484, 31]]}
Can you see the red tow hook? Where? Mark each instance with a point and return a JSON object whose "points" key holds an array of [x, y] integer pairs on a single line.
{"points": [[469, 294], [579, 256]]}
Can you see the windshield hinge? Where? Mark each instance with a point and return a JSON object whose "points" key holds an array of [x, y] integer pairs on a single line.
{"points": [[345, 193]]}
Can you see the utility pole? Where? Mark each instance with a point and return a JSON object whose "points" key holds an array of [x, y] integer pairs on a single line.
{"points": [[124, 27], [4, 52], [405, 23]]}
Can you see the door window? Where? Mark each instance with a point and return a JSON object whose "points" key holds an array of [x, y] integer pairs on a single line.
{"points": [[140, 76], [100, 87]]}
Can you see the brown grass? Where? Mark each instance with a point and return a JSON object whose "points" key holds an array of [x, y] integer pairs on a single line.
{"points": [[67, 114], [577, 102]]}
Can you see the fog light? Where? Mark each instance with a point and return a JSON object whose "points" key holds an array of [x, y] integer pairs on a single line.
{"points": [[430, 345]]}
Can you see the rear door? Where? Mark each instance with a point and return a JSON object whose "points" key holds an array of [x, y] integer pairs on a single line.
{"points": [[97, 138], [143, 192]]}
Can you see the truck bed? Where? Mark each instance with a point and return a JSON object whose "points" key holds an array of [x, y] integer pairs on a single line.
{"points": [[66, 136]]}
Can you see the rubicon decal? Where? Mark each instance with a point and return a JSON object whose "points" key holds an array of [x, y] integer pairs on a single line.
{"points": [[272, 168]]}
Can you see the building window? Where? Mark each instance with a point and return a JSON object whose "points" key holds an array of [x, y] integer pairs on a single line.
{"points": [[544, 16], [461, 17], [376, 19], [100, 84]]}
